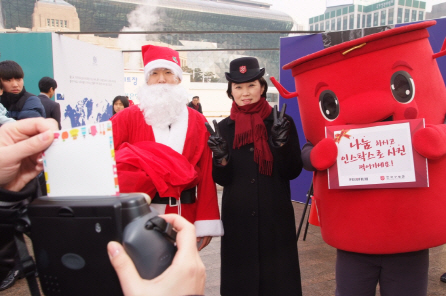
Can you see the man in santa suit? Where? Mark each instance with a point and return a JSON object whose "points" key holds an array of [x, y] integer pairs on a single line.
{"points": [[161, 147]]}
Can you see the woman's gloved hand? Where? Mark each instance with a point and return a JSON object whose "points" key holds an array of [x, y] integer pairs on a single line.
{"points": [[281, 127], [217, 144]]}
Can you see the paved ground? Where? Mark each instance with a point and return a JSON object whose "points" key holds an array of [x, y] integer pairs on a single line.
{"points": [[317, 261]]}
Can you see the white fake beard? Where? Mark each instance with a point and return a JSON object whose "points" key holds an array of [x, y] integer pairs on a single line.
{"points": [[162, 103]]}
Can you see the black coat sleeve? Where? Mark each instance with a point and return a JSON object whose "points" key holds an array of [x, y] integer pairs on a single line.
{"points": [[222, 175], [30, 191], [288, 156]]}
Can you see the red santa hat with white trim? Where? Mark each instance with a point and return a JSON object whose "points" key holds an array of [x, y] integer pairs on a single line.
{"points": [[155, 57]]}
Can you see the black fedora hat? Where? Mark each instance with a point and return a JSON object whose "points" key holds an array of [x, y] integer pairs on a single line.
{"points": [[244, 70]]}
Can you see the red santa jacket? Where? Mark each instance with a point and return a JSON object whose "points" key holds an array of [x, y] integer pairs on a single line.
{"points": [[130, 128]]}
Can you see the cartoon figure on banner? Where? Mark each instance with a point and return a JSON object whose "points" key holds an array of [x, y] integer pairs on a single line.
{"points": [[376, 80], [84, 131], [65, 135], [74, 133]]}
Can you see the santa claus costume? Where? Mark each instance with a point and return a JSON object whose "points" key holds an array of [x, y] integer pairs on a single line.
{"points": [[161, 148]]}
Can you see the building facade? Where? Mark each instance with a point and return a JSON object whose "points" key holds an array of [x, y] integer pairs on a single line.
{"points": [[54, 15], [438, 11], [362, 14], [168, 15]]}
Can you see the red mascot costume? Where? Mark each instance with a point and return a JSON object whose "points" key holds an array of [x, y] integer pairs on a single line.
{"points": [[381, 234]]}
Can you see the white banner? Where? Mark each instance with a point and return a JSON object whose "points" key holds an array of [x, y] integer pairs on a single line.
{"points": [[88, 78]]}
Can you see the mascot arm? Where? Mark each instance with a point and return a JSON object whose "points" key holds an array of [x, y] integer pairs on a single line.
{"points": [[322, 156], [430, 141]]}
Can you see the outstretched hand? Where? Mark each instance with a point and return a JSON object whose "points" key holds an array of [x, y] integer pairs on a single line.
{"points": [[21, 145], [217, 144], [281, 127]]}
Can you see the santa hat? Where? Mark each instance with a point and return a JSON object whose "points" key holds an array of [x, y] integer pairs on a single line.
{"points": [[161, 57]]}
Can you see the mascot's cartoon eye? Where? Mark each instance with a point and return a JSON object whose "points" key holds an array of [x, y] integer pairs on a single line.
{"points": [[402, 86], [329, 104]]}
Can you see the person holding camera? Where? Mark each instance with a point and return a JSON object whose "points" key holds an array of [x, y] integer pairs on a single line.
{"points": [[256, 154], [21, 146]]}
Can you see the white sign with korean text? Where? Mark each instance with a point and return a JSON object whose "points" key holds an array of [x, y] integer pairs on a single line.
{"points": [[375, 155]]}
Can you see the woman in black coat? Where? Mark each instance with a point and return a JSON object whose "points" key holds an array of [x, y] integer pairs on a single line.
{"points": [[256, 154]]}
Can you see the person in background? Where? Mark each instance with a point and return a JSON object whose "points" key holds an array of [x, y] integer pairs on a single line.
{"points": [[160, 147], [256, 154], [195, 104], [19, 103], [120, 103], [47, 87]]}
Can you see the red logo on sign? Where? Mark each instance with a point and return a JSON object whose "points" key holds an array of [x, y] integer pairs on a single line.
{"points": [[243, 69], [382, 178]]}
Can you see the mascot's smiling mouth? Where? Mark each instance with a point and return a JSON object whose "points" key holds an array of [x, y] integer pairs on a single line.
{"points": [[390, 118]]}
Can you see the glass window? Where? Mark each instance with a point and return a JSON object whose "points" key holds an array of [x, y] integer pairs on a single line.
{"points": [[391, 11], [363, 21], [327, 25], [48, 22], [358, 21], [338, 24], [52, 22], [383, 17], [406, 15], [57, 23], [344, 22], [322, 26], [351, 21], [399, 19], [414, 15], [375, 18], [316, 27], [333, 28], [311, 28], [420, 15], [369, 21], [66, 24]]}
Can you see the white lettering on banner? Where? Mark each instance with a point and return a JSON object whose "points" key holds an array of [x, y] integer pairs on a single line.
{"points": [[385, 4]]}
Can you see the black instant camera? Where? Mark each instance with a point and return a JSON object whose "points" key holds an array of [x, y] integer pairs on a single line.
{"points": [[70, 237]]}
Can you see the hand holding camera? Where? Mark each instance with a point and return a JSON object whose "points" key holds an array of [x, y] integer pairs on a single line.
{"points": [[70, 235], [186, 275]]}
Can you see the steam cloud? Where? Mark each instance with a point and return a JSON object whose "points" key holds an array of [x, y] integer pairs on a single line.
{"points": [[143, 18]]}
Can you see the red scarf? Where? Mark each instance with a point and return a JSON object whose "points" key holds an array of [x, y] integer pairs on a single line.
{"points": [[249, 128]]}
